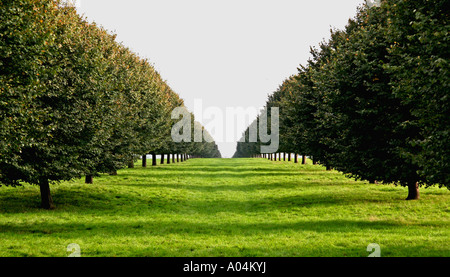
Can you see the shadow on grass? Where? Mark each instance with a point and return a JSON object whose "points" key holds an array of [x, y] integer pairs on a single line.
{"points": [[163, 228], [97, 202]]}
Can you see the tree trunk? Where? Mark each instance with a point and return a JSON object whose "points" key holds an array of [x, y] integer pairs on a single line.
{"points": [[178, 158], [173, 158], [46, 198], [89, 179], [168, 158], [413, 191], [303, 159], [144, 161], [153, 159], [328, 168], [162, 158], [131, 164], [284, 157], [289, 157]]}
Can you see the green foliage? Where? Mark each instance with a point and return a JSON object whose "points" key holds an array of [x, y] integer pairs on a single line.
{"points": [[373, 100], [73, 101]]}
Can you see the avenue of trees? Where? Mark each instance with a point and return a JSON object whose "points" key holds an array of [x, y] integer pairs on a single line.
{"points": [[373, 101], [74, 102]]}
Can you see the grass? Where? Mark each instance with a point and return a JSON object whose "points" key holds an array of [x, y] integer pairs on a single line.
{"points": [[225, 208]]}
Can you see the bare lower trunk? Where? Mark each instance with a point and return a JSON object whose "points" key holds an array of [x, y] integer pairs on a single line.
{"points": [[296, 158], [173, 158], [289, 157], [162, 158], [178, 158], [153, 159], [46, 198], [144, 161], [168, 158], [89, 179], [131, 164], [304, 159], [413, 191]]}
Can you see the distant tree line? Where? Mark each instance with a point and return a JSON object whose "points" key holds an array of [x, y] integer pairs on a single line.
{"points": [[74, 102], [373, 101]]}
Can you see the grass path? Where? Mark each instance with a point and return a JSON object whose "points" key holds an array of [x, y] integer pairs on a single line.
{"points": [[225, 207]]}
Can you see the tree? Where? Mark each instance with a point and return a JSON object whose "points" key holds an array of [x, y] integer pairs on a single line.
{"points": [[418, 35]]}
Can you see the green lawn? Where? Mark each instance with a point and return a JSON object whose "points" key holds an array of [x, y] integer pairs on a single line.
{"points": [[225, 207]]}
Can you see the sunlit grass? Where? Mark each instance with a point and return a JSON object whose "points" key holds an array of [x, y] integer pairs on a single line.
{"points": [[225, 207]]}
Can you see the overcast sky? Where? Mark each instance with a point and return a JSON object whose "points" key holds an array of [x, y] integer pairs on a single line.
{"points": [[227, 53]]}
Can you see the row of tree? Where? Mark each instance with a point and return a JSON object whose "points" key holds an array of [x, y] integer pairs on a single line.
{"points": [[373, 101], [75, 102]]}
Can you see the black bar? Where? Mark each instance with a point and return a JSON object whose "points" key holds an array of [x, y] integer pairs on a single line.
{"points": [[225, 266]]}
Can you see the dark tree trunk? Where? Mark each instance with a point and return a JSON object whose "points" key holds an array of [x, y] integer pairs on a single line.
{"points": [[178, 158], [173, 158], [46, 198], [162, 158], [413, 191], [89, 179], [168, 158], [153, 159], [328, 168], [181, 158], [295, 158], [314, 161], [144, 161], [131, 164], [303, 159], [284, 157], [289, 157]]}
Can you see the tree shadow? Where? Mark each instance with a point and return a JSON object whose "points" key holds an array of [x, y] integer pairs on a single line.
{"points": [[163, 228]]}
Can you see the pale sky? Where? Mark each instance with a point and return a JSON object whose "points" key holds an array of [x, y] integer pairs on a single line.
{"points": [[226, 53]]}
